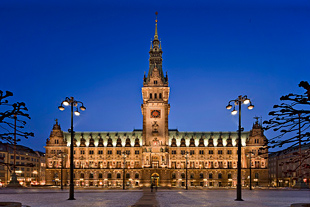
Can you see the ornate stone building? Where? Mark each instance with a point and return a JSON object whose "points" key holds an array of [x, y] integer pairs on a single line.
{"points": [[156, 153]]}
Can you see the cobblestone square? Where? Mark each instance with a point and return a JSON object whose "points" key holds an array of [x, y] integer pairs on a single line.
{"points": [[165, 198]]}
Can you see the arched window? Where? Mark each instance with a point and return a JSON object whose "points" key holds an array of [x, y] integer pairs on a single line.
{"points": [[118, 175], [220, 176], [155, 82], [82, 175], [201, 142], [151, 96], [100, 144], [100, 175], [192, 142], [210, 176], [137, 143], [160, 96], [183, 142], [109, 175], [127, 175], [127, 143], [118, 142], [137, 176], [192, 176], [256, 175], [82, 142], [173, 176], [109, 142], [229, 176], [201, 175], [91, 176], [183, 176], [210, 143], [173, 142], [220, 142], [229, 142], [155, 96], [91, 142]]}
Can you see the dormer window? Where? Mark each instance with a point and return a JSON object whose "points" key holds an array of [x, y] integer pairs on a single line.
{"points": [[155, 82]]}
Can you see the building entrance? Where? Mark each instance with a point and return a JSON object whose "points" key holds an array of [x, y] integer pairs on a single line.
{"points": [[155, 179]]}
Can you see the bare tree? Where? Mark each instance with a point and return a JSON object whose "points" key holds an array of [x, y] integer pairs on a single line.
{"points": [[292, 119], [9, 112]]}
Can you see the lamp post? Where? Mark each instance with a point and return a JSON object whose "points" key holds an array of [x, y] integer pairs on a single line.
{"points": [[250, 154], [124, 157], [186, 157], [62, 154], [238, 102], [73, 103]]}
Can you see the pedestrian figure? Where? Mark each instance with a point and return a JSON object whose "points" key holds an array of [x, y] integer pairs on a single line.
{"points": [[152, 187]]}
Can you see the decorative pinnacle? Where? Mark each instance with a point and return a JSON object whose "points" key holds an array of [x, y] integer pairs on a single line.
{"points": [[156, 35]]}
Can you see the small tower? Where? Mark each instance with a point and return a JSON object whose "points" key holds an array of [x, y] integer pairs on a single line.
{"points": [[56, 137]]}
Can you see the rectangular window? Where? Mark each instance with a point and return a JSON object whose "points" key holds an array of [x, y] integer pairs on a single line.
{"points": [[128, 152], [100, 152], [229, 152], [82, 152], [91, 152], [192, 152], [22, 158], [220, 152], [137, 152], [211, 152], [201, 152], [109, 152], [182, 152], [174, 152], [119, 152]]}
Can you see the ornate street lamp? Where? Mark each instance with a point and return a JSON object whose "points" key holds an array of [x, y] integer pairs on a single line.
{"points": [[124, 157], [186, 157], [238, 102], [73, 103]]}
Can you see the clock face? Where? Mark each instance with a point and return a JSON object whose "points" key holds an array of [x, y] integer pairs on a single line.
{"points": [[155, 114]]}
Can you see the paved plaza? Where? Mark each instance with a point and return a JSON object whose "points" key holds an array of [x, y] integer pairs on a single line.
{"points": [[164, 198]]}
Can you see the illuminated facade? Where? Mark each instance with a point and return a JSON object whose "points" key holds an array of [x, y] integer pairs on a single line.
{"points": [[284, 167], [30, 165], [155, 153]]}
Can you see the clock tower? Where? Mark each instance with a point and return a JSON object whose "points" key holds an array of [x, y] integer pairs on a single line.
{"points": [[155, 107]]}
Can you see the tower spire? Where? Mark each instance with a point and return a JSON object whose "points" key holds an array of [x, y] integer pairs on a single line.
{"points": [[156, 34]]}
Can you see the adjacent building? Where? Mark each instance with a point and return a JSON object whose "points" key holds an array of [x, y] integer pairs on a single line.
{"points": [[156, 154], [284, 169], [30, 165]]}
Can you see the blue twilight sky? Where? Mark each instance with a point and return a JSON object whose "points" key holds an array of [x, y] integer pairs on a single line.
{"points": [[97, 52]]}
